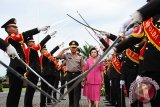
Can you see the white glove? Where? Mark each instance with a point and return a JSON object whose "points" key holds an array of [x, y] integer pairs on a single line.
{"points": [[139, 79], [124, 24], [105, 33], [53, 33], [137, 18], [11, 51], [122, 82], [44, 28]]}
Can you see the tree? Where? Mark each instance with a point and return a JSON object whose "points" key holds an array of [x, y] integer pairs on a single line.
{"points": [[85, 50]]}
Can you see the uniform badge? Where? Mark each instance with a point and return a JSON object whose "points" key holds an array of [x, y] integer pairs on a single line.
{"points": [[73, 43]]}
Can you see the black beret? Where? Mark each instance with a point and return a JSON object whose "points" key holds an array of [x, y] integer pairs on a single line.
{"points": [[11, 21], [73, 43]]}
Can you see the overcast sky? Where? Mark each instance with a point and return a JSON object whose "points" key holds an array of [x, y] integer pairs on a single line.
{"points": [[104, 15]]}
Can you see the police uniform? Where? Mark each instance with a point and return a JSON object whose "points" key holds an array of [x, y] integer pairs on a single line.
{"points": [[48, 68], [151, 9], [130, 66], [57, 73], [106, 80], [115, 76], [17, 41], [74, 64], [63, 78], [32, 59], [151, 56], [3, 44]]}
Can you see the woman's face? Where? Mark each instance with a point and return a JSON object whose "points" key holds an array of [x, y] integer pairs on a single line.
{"points": [[94, 53]]}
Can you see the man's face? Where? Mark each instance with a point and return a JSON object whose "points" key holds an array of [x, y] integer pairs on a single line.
{"points": [[30, 43], [12, 29], [73, 49], [43, 51]]}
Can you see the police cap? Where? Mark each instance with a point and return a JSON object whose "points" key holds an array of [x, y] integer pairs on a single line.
{"points": [[73, 44], [12, 22]]}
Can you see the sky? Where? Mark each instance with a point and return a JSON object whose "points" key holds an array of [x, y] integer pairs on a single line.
{"points": [[105, 15]]}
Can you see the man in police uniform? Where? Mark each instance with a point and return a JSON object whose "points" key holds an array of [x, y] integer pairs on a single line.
{"points": [[74, 64], [17, 41], [32, 59]]}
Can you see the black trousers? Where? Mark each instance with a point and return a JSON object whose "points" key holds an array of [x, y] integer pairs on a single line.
{"points": [[63, 81], [15, 88], [107, 86], [118, 93], [47, 89], [30, 91], [74, 95], [56, 83]]}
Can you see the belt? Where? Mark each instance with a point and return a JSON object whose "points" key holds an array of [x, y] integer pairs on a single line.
{"points": [[69, 72]]}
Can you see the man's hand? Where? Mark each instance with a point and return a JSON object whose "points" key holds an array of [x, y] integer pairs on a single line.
{"points": [[122, 82], [107, 34], [139, 79], [11, 51]]}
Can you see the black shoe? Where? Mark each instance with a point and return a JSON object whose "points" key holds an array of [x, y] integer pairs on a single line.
{"points": [[63, 99], [49, 103], [110, 104], [106, 101]]}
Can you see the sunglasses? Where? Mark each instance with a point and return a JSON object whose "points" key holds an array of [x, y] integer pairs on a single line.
{"points": [[73, 47]]}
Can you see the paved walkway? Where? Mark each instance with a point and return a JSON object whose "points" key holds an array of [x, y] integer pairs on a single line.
{"points": [[36, 100], [63, 103]]}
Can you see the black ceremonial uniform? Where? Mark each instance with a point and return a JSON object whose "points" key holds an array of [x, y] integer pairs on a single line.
{"points": [[17, 41], [151, 9], [57, 74], [107, 80], [129, 69], [151, 57], [63, 78], [115, 76], [3, 44], [49, 66], [32, 59]]}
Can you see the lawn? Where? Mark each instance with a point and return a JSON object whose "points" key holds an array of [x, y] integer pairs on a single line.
{"points": [[7, 89]]}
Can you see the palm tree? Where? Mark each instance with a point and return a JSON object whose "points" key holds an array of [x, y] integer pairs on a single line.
{"points": [[85, 50]]}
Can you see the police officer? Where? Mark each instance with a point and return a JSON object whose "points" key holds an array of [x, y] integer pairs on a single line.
{"points": [[151, 55], [130, 67], [49, 66], [106, 80], [118, 97], [32, 59], [74, 64], [63, 76], [17, 41]]}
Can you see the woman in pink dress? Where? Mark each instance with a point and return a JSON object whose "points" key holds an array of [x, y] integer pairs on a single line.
{"points": [[94, 79]]}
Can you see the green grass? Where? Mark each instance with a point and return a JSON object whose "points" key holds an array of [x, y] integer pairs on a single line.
{"points": [[7, 89]]}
